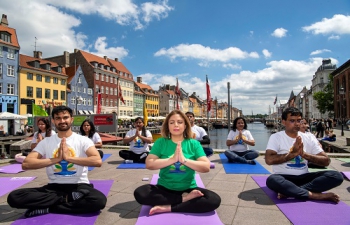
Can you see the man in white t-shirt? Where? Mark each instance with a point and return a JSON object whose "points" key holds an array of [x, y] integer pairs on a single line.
{"points": [[200, 135], [289, 152], [66, 157]]}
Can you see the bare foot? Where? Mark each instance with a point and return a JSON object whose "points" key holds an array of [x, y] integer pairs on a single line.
{"points": [[281, 196], [324, 196], [193, 194], [160, 209]]}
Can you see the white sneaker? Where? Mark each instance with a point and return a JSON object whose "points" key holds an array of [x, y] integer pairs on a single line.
{"points": [[143, 155]]}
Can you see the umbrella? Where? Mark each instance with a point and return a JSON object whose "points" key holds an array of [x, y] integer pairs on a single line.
{"points": [[11, 116]]}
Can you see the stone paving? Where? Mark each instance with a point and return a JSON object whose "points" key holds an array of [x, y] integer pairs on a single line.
{"points": [[243, 202]]}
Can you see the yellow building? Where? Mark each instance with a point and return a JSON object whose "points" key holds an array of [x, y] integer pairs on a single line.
{"points": [[152, 98], [41, 82]]}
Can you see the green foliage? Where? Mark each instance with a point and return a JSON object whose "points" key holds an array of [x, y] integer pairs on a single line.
{"points": [[325, 98]]}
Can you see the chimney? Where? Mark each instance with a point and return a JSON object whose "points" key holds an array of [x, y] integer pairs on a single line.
{"points": [[4, 21], [116, 59], [167, 87], [76, 50], [38, 54], [66, 59], [139, 79], [105, 57]]}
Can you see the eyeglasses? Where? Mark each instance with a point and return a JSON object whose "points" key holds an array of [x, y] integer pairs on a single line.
{"points": [[294, 121]]}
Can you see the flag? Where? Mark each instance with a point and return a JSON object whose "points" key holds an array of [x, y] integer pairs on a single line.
{"points": [[120, 94], [275, 100], [145, 114], [99, 104], [208, 95], [38, 111], [177, 93]]}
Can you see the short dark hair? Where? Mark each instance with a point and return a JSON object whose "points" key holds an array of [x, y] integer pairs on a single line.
{"points": [[292, 111], [191, 113], [61, 108]]}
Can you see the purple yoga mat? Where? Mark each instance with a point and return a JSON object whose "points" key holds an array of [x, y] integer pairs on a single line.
{"points": [[346, 174], [13, 168], [11, 183], [310, 211], [62, 219], [177, 218]]}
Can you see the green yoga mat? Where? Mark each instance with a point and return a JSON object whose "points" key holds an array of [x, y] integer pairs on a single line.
{"points": [[347, 160]]}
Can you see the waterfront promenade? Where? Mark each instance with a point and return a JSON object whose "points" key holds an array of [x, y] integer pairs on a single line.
{"points": [[243, 202]]}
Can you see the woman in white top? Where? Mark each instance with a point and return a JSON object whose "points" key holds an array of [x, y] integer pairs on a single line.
{"points": [[239, 140], [139, 138], [44, 130], [88, 129]]}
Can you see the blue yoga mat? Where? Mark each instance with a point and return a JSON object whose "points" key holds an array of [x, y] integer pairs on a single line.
{"points": [[239, 168], [105, 156], [132, 166]]}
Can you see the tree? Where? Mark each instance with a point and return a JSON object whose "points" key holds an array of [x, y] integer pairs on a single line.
{"points": [[325, 98]]}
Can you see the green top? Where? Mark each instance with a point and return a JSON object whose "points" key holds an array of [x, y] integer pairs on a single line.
{"points": [[177, 177]]}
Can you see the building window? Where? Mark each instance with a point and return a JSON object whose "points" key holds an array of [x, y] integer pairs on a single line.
{"points": [[47, 79], [115, 91], [102, 78], [89, 91], [102, 101], [63, 82], [39, 92], [97, 77], [29, 91], [97, 89], [107, 78], [107, 90], [63, 95], [5, 37], [107, 102], [11, 53], [79, 80], [47, 93], [102, 89], [10, 89], [0, 88], [1, 52], [55, 94], [89, 102], [84, 90], [29, 76], [110, 102], [84, 101], [10, 70], [39, 77], [55, 80]]}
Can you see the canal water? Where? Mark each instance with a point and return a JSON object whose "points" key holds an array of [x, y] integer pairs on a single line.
{"points": [[260, 133]]}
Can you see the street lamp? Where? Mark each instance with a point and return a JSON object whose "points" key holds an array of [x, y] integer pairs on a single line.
{"points": [[341, 92]]}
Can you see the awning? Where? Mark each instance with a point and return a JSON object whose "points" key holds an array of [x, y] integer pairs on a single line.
{"points": [[86, 112], [81, 112], [91, 112]]}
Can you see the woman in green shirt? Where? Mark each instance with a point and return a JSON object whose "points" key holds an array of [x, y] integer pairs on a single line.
{"points": [[177, 156]]}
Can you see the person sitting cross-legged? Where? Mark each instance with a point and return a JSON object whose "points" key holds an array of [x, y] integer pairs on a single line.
{"points": [[66, 157], [289, 152]]}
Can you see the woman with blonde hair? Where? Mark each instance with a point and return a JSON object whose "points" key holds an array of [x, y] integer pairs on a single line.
{"points": [[178, 157]]}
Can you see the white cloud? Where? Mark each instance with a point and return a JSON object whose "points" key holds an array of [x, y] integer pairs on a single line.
{"points": [[231, 66], [320, 51], [266, 53], [111, 52], [200, 52], [338, 24], [279, 32], [158, 11], [334, 37]]}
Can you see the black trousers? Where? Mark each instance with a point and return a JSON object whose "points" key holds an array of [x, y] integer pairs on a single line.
{"points": [[130, 155], [55, 197], [298, 186], [149, 194]]}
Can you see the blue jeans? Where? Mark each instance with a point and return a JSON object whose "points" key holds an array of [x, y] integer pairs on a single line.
{"points": [[241, 157], [298, 186], [208, 151]]}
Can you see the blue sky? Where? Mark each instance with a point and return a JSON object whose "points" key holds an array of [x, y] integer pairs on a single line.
{"points": [[263, 48]]}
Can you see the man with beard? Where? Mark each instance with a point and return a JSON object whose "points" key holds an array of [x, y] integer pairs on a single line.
{"points": [[66, 157], [289, 153]]}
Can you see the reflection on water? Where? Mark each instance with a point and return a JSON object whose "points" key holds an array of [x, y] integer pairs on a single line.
{"points": [[260, 134]]}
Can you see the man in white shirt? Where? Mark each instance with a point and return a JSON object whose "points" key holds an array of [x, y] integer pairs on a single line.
{"points": [[200, 135], [66, 157], [289, 152]]}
